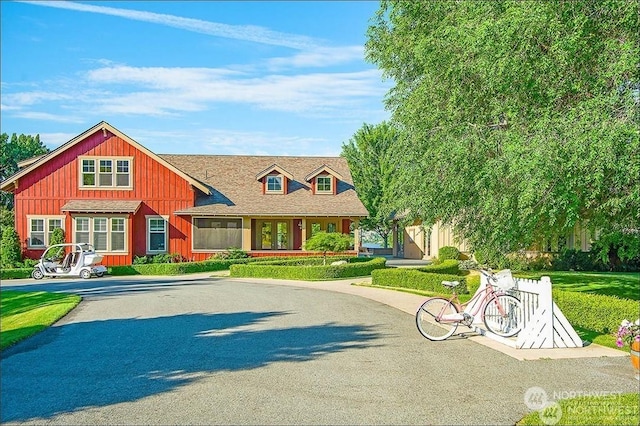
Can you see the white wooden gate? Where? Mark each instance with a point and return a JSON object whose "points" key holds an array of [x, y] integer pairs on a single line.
{"points": [[544, 324]]}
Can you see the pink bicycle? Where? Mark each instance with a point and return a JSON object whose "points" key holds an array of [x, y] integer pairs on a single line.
{"points": [[438, 317]]}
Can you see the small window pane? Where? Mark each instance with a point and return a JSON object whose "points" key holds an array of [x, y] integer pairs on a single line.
{"points": [[274, 183], [105, 166], [323, 184], [88, 179], [117, 241], [331, 227], [88, 166], [100, 241], [106, 179], [156, 242], [82, 224], [82, 237], [122, 166], [117, 225], [122, 180], [156, 225], [100, 224], [37, 225]]}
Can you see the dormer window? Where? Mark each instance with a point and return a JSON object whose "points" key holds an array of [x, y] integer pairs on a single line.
{"points": [[324, 184], [274, 179], [324, 180], [274, 184]]}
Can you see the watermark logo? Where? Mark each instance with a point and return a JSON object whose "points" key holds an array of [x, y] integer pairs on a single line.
{"points": [[536, 398], [551, 413]]}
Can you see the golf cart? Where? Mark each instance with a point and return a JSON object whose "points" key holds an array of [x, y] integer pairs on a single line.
{"points": [[69, 260]]}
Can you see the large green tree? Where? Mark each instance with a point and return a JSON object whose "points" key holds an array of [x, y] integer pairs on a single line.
{"points": [[521, 117], [12, 151], [372, 160]]}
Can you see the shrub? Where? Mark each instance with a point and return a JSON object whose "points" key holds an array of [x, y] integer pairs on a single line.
{"points": [[162, 258], [448, 252], [140, 260], [313, 269], [57, 237], [10, 248], [232, 253], [595, 312], [575, 260], [15, 273], [416, 279]]}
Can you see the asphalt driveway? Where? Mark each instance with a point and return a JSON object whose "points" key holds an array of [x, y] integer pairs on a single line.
{"points": [[214, 350]]}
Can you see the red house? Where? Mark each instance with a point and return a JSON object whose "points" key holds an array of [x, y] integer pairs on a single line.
{"points": [[104, 188]]}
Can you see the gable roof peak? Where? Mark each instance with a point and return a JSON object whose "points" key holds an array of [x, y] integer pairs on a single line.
{"points": [[323, 168], [272, 168]]}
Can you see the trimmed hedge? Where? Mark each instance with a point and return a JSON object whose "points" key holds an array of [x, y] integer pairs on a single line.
{"points": [[418, 279], [211, 265], [15, 273], [299, 270], [596, 312], [449, 266]]}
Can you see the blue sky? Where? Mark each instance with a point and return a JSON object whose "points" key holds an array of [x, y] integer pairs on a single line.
{"points": [[260, 78]]}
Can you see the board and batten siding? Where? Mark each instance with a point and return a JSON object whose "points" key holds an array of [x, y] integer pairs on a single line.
{"points": [[46, 189]]}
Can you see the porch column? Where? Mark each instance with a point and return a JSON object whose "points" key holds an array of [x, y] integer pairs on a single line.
{"points": [[246, 234], [395, 239], [303, 231], [357, 236]]}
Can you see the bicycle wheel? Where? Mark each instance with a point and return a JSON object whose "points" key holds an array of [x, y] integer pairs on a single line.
{"points": [[427, 319], [506, 325]]}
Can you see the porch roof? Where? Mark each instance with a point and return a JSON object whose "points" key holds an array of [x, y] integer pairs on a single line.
{"points": [[101, 206]]}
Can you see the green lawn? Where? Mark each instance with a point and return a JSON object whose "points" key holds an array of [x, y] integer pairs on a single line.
{"points": [[625, 285], [612, 409], [23, 314]]}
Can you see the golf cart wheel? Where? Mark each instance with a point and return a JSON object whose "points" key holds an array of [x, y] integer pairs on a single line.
{"points": [[85, 273], [99, 274], [37, 274]]}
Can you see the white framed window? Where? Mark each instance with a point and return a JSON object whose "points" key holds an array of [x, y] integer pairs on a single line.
{"points": [[105, 233], [100, 233], [157, 234], [118, 234], [324, 184], [274, 184], [106, 172], [41, 228]]}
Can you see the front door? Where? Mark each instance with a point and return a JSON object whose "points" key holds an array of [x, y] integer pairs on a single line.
{"points": [[274, 235]]}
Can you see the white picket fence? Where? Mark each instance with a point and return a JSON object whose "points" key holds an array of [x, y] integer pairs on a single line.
{"points": [[544, 324]]}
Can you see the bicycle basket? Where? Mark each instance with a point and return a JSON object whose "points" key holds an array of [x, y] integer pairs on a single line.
{"points": [[504, 280]]}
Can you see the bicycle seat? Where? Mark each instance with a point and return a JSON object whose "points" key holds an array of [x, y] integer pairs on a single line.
{"points": [[450, 284]]}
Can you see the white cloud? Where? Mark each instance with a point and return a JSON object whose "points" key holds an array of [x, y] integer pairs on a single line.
{"points": [[36, 115], [162, 91], [319, 57], [54, 140], [251, 33], [215, 141]]}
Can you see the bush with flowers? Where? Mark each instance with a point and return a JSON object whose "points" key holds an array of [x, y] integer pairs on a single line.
{"points": [[628, 333]]}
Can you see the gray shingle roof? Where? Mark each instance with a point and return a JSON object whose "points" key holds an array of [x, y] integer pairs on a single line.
{"points": [[237, 192]]}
